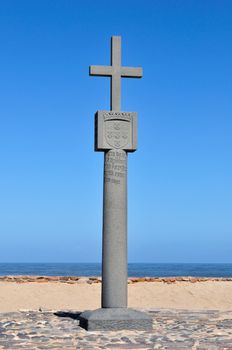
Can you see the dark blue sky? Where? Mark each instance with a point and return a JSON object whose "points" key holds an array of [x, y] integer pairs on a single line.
{"points": [[180, 179]]}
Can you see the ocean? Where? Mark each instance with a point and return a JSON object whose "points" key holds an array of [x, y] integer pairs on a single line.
{"points": [[134, 269]]}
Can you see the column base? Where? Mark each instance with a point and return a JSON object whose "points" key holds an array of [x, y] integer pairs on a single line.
{"points": [[112, 319]]}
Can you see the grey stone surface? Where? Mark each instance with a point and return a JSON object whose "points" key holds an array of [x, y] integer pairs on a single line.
{"points": [[116, 72], [172, 329], [115, 130], [115, 134], [114, 267], [115, 319]]}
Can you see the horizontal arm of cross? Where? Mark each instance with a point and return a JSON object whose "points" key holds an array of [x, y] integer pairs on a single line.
{"points": [[129, 72], [100, 70]]}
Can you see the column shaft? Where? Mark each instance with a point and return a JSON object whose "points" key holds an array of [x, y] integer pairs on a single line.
{"points": [[114, 253]]}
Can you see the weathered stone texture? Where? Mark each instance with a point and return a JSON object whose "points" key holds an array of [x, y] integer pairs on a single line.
{"points": [[172, 329]]}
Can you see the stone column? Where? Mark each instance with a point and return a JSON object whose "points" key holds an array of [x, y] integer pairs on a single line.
{"points": [[114, 259], [115, 135]]}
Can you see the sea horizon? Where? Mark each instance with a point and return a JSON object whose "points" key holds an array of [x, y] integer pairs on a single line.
{"points": [[134, 269]]}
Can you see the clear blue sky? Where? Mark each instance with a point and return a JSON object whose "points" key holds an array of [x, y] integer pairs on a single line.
{"points": [[180, 179]]}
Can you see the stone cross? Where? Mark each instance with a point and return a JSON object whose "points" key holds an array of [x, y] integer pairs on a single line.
{"points": [[116, 72], [115, 135]]}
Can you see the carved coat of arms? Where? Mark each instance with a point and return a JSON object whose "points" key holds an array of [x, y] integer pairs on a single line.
{"points": [[117, 133]]}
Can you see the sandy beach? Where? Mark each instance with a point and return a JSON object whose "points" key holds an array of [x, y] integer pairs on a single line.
{"points": [[84, 293]]}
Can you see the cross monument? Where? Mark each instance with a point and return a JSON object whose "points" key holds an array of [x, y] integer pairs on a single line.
{"points": [[115, 135]]}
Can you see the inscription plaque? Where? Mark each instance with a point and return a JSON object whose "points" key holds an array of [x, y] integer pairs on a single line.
{"points": [[115, 130]]}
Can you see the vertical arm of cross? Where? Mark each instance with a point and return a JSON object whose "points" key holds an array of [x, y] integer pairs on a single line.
{"points": [[116, 76]]}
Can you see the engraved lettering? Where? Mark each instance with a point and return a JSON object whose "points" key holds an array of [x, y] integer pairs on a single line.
{"points": [[115, 167], [127, 116]]}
